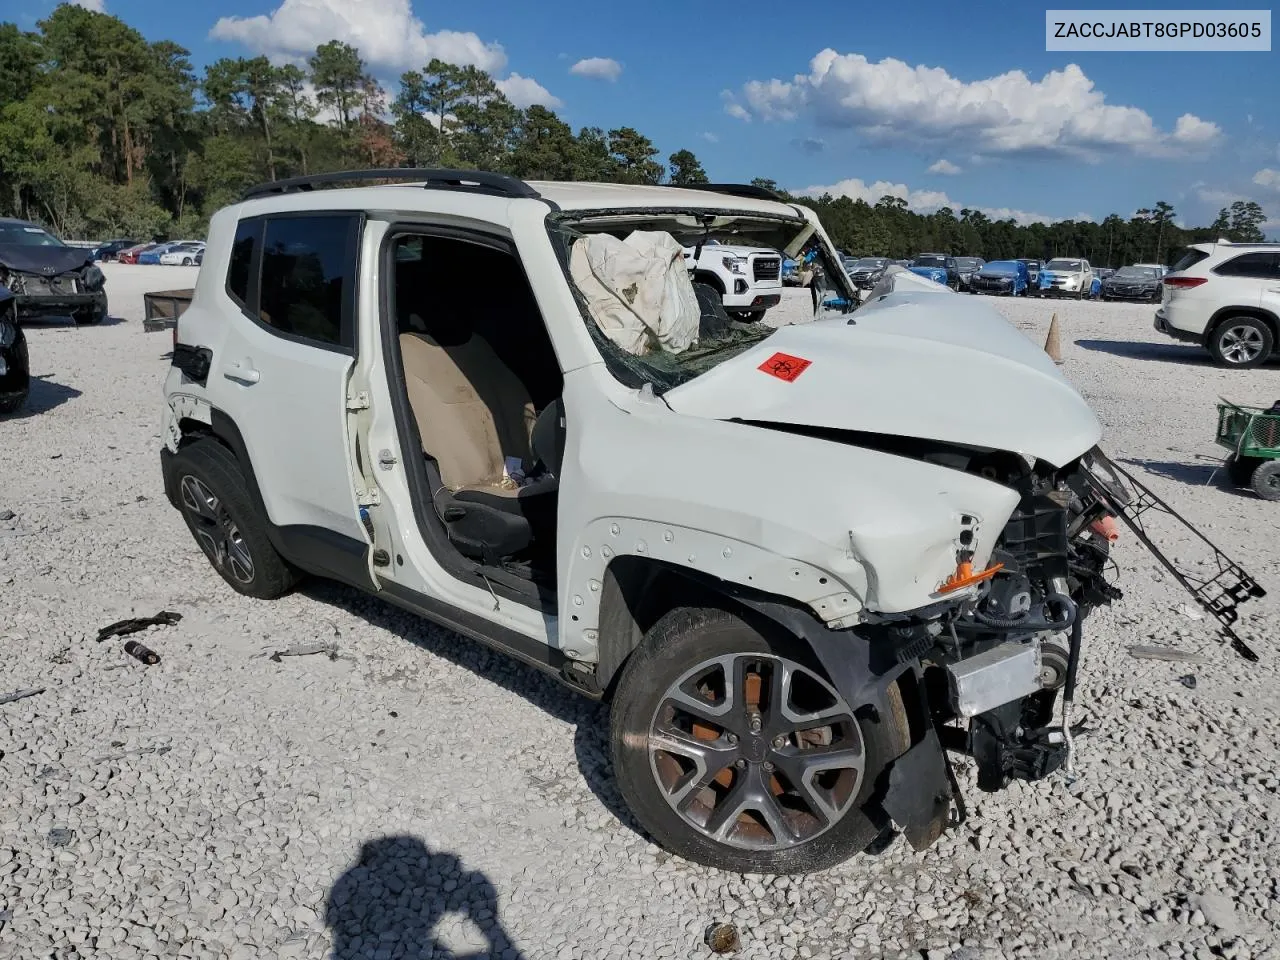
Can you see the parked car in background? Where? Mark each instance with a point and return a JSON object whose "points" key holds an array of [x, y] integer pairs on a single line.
{"points": [[867, 271], [1033, 269], [1159, 267], [790, 271], [936, 274], [184, 254], [48, 278], [1007, 277], [1065, 277], [109, 250], [748, 280], [1103, 272], [131, 254], [153, 255], [1226, 298], [941, 261], [1133, 283], [15, 368], [966, 267]]}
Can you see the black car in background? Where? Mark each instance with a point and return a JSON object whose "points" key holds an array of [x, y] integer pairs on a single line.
{"points": [[15, 368], [865, 272], [108, 250], [1133, 283], [48, 278], [942, 262], [967, 267]]}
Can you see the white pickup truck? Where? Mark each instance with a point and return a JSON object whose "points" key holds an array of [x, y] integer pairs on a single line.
{"points": [[748, 279]]}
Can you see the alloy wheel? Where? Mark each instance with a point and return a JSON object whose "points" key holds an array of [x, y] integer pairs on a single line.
{"points": [[1240, 344], [756, 751], [217, 533]]}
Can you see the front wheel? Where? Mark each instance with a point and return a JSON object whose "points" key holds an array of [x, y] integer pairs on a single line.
{"points": [[1241, 342], [733, 750]]}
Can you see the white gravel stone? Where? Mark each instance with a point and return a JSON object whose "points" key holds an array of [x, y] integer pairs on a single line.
{"points": [[227, 806]]}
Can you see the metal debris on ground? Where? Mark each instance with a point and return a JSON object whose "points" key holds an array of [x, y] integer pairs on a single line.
{"points": [[306, 650], [1189, 681], [20, 694], [123, 628], [7, 514], [139, 652], [1167, 653], [60, 836], [723, 938]]}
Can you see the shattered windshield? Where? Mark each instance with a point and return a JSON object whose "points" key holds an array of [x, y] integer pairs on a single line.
{"points": [[657, 323], [26, 235]]}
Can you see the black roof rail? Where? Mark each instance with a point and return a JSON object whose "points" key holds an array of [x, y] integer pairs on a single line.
{"points": [[731, 189], [470, 181]]}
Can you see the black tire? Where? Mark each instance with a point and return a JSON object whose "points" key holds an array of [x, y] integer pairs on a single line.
{"points": [[187, 261], [1240, 469], [1266, 480], [1241, 342], [231, 517], [680, 642]]}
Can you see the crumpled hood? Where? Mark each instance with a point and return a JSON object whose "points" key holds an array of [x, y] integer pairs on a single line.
{"points": [[45, 261], [914, 365]]}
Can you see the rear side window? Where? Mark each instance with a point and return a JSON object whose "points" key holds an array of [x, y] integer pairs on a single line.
{"points": [[1261, 266], [242, 250], [308, 277], [1188, 260]]}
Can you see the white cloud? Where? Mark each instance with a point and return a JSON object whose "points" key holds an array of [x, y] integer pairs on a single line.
{"points": [[385, 31], [599, 68], [733, 108], [1268, 179], [710, 137], [892, 102], [946, 167], [525, 92], [921, 201], [97, 6]]}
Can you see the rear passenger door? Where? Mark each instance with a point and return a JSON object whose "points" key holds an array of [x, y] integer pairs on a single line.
{"points": [[1247, 279], [283, 373]]}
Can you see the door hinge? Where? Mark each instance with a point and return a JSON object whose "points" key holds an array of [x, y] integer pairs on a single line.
{"points": [[358, 401], [367, 498]]}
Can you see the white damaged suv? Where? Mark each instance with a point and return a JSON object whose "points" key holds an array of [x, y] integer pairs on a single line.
{"points": [[802, 565]]}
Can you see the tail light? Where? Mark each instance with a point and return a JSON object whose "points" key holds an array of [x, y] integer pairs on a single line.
{"points": [[1184, 283]]}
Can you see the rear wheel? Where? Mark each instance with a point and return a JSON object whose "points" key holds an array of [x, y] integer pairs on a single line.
{"points": [[1266, 480], [732, 748], [1241, 342], [215, 503]]}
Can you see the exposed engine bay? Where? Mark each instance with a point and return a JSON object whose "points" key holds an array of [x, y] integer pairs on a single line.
{"points": [[997, 662]]}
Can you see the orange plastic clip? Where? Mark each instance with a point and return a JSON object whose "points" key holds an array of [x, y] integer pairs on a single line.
{"points": [[965, 577], [1106, 528]]}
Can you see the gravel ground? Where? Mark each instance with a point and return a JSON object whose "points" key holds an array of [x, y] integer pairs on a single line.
{"points": [[419, 794]]}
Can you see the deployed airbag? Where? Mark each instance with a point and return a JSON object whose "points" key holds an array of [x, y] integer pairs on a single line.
{"points": [[637, 290]]}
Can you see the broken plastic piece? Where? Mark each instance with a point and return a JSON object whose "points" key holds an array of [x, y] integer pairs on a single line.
{"points": [[1106, 528], [20, 694], [306, 650], [123, 628], [965, 577], [1172, 654]]}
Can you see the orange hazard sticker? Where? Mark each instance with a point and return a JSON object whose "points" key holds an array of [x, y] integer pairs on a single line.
{"points": [[784, 366]]}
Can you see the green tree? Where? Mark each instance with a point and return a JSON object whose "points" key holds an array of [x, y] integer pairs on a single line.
{"points": [[685, 168], [339, 77], [543, 147], [633, 154]]}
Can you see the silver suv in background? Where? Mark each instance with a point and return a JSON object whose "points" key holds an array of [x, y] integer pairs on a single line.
{"points": [[1226, 298]]}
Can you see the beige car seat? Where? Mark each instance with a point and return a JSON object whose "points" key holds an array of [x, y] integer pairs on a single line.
{"points": [[472, 411]]}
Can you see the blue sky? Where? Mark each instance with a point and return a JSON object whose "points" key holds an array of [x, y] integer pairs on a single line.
{"points": [[945, 103]]}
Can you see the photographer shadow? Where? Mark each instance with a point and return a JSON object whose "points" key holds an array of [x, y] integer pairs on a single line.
{"points": [[403, 901]]}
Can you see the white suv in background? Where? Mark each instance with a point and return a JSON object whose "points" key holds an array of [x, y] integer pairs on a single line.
{"points": [[1225, 297], [748, 279]]}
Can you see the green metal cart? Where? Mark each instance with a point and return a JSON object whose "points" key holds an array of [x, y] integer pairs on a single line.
{"points": [[1252, 434]]}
